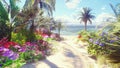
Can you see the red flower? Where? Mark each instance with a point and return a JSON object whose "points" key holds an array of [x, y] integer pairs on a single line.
{"points": [[41, 41], [45, 35], [3, 41], [79, 36], [12, 43], [6, 45]]}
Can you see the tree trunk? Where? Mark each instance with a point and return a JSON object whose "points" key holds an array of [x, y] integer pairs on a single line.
{"points": [[59, 30], [85, 26]]}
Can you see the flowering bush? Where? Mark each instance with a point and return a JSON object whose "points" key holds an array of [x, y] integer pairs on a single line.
{"points": [[28, 52], [83, 36], [102, 44]]}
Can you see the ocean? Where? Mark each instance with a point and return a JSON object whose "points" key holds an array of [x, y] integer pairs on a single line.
{"points": [[73, 29]]}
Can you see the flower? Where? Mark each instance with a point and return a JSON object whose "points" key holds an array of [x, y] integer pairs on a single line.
{"points": [[17, 46], [0, 65], [14, 56], [45, 43], [118, 38], [27, 43], [91, 40], [41, 41], [79, 36], [8, 53], [3, 41], [22, 49], [102, 34], [97, 42], [3, 49], [12, 43], [101, 44], [111, 41], [6, 45]]}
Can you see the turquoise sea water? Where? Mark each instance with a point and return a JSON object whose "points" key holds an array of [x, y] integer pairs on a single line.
{"points": [[74, 30]]}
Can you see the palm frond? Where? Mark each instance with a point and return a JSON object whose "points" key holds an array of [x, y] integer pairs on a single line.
{"points": [[28, 4], [114, 10], [14, 8], [3, 12]]}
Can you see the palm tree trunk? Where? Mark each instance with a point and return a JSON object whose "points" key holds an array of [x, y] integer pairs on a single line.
{"points": [[59, 29], [85, 26]]}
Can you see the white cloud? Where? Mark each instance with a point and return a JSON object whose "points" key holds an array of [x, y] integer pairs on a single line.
{"points": [[103, 8], [67, 20], [104, 18], [72, 4]]}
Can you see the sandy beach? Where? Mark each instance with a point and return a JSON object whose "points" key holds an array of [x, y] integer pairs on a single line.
{"points": [[70, 54]]}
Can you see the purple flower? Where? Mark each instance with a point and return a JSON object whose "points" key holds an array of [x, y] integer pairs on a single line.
{"points": [[8, 53], [0, 65], [101, 44], [14, 56], [91, 40], [111, 41], [28, 43], [97, 42], [102, 34], [16, 46], [22, 49], [3, 49], [117, 38]]}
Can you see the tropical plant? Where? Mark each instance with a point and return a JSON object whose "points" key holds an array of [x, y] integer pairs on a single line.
{"points": [[10, 14], [86, 16], [7, 16], [116, 10]]}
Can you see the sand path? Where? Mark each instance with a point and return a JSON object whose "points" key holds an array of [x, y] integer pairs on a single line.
{"points": [[69, 55]]}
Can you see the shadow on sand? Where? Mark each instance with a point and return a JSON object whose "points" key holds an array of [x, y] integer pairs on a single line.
{"points": [[33, 65]]}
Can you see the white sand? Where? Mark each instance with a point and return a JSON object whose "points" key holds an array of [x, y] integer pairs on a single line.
{"points": [[70, 55]]}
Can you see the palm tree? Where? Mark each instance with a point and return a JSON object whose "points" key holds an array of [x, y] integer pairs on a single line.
{"points": [[10, 12], [59, 27], [86, 16], [7, 15]]}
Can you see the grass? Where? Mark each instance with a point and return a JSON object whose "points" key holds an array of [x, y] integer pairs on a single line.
{"points": [[104, 62]]}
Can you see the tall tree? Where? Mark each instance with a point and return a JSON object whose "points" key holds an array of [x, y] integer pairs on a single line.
{"points": [[86, 16]]}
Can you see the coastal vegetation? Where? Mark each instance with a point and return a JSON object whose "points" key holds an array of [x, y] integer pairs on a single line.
{"points": [[104, 44], [26, 35]]}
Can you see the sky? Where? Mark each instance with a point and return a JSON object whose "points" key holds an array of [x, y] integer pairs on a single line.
{"points": [[68, 12]]}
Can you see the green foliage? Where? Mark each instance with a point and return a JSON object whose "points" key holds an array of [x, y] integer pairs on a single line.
{"points": [[14, 8], [30, 56], [3, 13], [106, 44], [84, 35], [30, 36], [18, 37]]}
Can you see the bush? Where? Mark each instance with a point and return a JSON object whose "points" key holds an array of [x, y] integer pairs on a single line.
{"points": [[106, 44]]}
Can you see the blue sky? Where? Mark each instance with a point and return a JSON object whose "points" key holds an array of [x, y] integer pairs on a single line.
{"points": [[68, 12], [98, 6]]}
